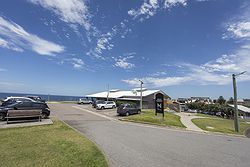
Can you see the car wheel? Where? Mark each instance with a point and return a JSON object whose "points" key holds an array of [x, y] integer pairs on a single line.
{"points": [[44, 115], [139, 111], [2, 116], [127, 114], [102, 108], [113, 107]]}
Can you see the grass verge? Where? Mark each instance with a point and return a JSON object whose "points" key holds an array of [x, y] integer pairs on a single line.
{"points": [[148, 116], [50, 145], [219, 125]]}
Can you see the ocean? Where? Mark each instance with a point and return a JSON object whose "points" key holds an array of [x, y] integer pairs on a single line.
{"points": [[45, 97]]}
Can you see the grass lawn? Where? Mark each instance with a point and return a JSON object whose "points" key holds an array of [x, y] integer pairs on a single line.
{"points": [[219, 125], [148, 116], [50, 145], [206, 115]]}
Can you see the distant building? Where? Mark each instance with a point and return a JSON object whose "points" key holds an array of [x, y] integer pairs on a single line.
{"points": [[243, 111], [148, 96], [184, 100], [206, 100]]}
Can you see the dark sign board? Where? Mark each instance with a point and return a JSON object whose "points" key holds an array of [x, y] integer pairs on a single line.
{"points": [[159, 103]]}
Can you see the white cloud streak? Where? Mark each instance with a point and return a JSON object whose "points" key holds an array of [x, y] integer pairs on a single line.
{"points": [[122, 62], [217, 72], [150, 7], [69, 11], [77, 63], [14, 37], [9, 45]]}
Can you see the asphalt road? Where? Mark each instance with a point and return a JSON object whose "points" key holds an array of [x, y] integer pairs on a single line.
{"points": [[135, 145]]}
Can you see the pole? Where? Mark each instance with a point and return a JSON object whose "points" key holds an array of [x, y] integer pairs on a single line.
{"points": [[141, 96], [108, 93], [236, 119]]}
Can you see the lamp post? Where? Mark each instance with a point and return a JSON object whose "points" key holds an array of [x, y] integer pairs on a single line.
{"points": [[108, 93], [141, 95], [236, 119]]}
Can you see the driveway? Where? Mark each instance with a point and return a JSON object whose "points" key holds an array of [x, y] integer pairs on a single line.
{"points": [[186, 119], [134, 145]]}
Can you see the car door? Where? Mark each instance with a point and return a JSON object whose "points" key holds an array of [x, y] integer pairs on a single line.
{"points": [[109, 104], [23, 104], [134, 109]]}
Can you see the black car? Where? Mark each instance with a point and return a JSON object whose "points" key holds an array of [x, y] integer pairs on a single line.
{"points": [[23, 103], [97, 102], [128, 109], [36, 98]]}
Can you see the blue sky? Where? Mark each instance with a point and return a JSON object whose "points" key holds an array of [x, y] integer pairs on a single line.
{"points": [[76, 47]]}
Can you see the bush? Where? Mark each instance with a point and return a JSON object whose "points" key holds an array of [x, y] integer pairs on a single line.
{"points": [[212, 109]]}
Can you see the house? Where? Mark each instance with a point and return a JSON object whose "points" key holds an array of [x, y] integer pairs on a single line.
{"points": [[206, 100], [243, 111], [134, 95]]}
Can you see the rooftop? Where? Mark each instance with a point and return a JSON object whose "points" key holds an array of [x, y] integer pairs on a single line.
{"points": [[127, 93]]}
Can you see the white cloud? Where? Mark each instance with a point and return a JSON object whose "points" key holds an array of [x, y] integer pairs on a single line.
{"points": [[159, 73], [238, 30], [217, 72], [122, 62], [77, 63], [157, 82], [150, 7], [19, 39], [8, 45], [103, 43], [171, 3], [69, 11]]}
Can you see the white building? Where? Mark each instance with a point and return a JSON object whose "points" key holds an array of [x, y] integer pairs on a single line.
{"points": [[148, 96]]}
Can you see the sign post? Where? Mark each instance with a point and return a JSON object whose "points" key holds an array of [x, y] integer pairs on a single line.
{"points": [[159, 104]]}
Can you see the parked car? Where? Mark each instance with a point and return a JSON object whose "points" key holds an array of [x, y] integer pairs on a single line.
{"points": [[36, 98], [128, 109], [97, 102], [84, 101], [192, 111], [106, 105], [23, 103]]}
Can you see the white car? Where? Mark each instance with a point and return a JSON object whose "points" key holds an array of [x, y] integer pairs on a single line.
{"points": [[105, 105], [84, 101]]}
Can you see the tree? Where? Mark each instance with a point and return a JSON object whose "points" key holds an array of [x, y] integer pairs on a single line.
{"points": [[221, 100], [230, 101]]}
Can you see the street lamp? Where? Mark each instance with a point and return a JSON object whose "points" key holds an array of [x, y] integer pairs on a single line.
{"points": [[236, 119], [141, 95]]}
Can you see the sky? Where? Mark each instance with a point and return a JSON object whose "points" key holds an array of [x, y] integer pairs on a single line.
{"points": [[77, 47]]}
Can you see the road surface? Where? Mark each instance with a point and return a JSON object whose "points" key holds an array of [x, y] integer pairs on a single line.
{"points": [[136, 145]]}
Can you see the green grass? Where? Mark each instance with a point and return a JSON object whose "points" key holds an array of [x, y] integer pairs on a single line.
{"points": [[205, 115], [149, 117], [50, 145], [219, 125]]}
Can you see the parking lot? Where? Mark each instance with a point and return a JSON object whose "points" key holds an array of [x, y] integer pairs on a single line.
{"points": [[108, 112]]}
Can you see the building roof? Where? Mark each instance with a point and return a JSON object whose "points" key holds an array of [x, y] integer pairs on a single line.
{"points": [[242, 108], [121, 94]]}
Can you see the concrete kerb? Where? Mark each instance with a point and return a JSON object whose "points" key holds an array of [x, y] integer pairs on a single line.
{"points": [[4, 125]]}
